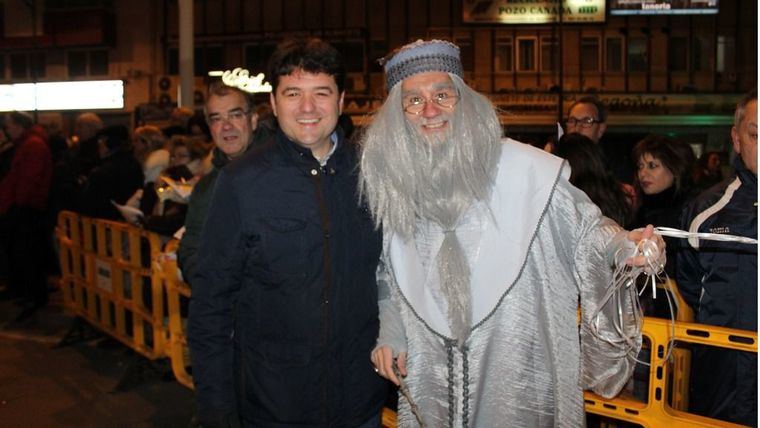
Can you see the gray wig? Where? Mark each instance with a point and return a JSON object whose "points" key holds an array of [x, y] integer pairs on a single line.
{"points": [[405, 178]]}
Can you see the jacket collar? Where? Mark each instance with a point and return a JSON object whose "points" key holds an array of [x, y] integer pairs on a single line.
{"points": [[303, 157], [219, 159], [746, 176]]}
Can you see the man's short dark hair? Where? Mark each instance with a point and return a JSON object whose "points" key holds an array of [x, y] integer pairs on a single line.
{"points": [[21, 119], [219, 89], [310, 55], [600, 110]]}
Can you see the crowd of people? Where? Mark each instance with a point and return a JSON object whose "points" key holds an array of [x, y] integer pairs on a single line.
{"points": [[143, 177], [671, 188], [426, 248]]}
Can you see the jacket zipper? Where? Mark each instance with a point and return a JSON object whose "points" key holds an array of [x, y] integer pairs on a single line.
{"points": [[327, 266]]}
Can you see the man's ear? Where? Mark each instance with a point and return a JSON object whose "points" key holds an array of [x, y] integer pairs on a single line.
{"points": [[602, 129], [735, 140], [273, 103], [254, 120], [340, 102]]}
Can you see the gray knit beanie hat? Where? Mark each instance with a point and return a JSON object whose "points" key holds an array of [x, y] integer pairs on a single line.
{"points": [[419, 57]]}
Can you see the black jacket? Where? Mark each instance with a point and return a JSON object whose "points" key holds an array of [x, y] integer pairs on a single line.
{"points": [[284, 309], [116, 179], [197, 207], [719, 281]]}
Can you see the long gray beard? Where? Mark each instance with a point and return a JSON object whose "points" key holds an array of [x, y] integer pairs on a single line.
{"points": [[454, 274], [448, 201]]}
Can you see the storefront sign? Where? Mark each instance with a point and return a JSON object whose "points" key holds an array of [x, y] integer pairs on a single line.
{"points": [[663, 7], [532, 11]]}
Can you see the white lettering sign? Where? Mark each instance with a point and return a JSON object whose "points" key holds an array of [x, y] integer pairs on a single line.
{"points": [[241, 78]]}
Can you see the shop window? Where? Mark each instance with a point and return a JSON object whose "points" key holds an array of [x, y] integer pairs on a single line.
{"points": [[526, 54], [590, 54], [503, 55], [613, 54], [205, 59], [549, 53], [726, 54], [27, 65], [700, 56], [466, 52], [637, 54], [678, 54], [18, 66], [87, 63]]}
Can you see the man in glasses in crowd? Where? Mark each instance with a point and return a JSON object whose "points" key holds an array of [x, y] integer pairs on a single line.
{"points": [[588, 116], [233, 125], [487, 252]]}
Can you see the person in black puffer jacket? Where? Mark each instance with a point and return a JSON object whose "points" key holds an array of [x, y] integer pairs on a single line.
{"points": [[284, 309]]}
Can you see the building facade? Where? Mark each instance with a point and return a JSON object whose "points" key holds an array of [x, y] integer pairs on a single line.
{"points": [[674, 73]]}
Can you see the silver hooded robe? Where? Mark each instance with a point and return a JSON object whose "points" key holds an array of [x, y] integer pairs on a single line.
{"points": [[536, 251]]}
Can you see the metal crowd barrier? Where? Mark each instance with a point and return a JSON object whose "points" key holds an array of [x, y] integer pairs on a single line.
{"points": [[115, 276], [107, 278], [178, 296], [657, 412]]}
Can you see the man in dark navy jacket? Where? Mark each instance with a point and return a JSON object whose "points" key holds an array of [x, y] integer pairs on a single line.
{"points": [[284, 309], [719, 279]]}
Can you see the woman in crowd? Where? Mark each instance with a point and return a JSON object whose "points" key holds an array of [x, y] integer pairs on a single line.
{"points": [[663, 181], [590, 175], [191, 152]]}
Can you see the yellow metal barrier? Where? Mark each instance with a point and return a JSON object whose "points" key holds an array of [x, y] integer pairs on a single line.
{"points": [[107, 278], [114, 276], [177, 293], [681, 359], [656, 412]]}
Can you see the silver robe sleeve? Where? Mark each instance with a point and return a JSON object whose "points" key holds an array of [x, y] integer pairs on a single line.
{"points": [[607, 361], [392, 331]]}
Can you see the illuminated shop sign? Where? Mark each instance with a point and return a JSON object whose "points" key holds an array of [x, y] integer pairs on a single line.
{"points": [[241, 78], [532, 11], [85, 95], [663, 7]]}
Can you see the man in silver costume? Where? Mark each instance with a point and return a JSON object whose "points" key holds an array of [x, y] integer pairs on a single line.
{"points": [[488, 251]]}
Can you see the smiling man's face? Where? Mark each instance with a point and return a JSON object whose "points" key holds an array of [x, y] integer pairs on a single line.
{"points": [[307, 106], [429, 90]]}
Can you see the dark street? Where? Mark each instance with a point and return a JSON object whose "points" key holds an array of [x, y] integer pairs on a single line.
{"points": [[46, 386]]}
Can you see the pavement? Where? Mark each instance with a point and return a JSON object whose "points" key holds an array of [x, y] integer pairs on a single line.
{"points": [[42, 385]]}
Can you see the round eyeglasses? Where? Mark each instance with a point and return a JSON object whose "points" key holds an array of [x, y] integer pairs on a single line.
{"points": [[415, 104]]}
